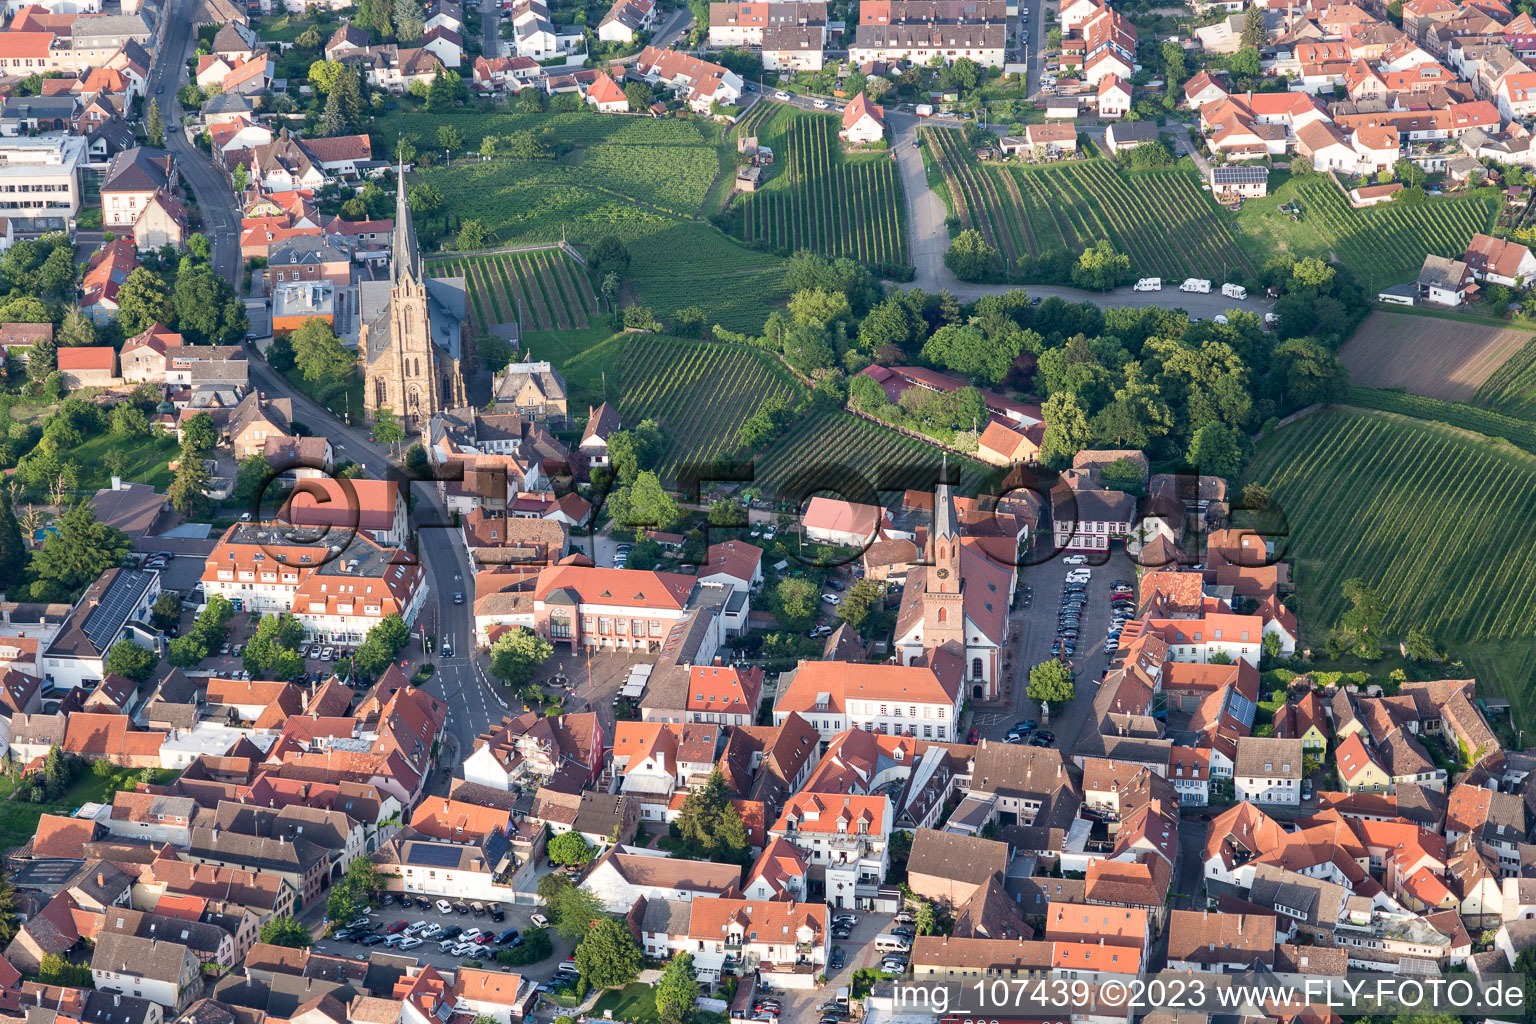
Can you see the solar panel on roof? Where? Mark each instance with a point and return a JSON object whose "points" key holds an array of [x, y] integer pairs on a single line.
{"points": [[434, 856], [102, 624]]}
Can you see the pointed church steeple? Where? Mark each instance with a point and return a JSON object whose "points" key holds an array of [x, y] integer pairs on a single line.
{"points": [[945, 523], [407, 257]]}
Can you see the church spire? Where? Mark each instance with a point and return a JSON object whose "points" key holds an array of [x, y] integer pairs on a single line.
{"points": [[944, 521], [407, 258]]}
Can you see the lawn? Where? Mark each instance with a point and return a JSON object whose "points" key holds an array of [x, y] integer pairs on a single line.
{"points": [[648, 182], [18, 821], [583, 358], [636, 1004], [145, 461], [1382, 245], [331, 396]]}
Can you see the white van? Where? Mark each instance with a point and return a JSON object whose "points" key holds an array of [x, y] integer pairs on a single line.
{"points": [[892, 943]]}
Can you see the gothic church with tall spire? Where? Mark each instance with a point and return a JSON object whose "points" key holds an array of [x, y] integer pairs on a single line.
{"points": [[411, 339]]}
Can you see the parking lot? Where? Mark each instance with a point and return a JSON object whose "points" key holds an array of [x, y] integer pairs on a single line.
{"points": [[1035, 628], [381, 918]]}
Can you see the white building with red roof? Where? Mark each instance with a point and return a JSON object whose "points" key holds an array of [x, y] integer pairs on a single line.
{"points": [[723, 694], [843, 838], [778, 873], [893, 700], [704, 84], [733, 563], [607, 96], [863, 121], [335, 595]]}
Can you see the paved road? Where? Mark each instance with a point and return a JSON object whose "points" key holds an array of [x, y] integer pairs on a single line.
{"points": [[221, 220], [473, 703], [490, 29]]}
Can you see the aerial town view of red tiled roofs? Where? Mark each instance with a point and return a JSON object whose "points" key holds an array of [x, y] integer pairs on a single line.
{"points": [[763, 513]]}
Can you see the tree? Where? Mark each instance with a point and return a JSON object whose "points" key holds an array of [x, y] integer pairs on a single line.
{"points": [[425, 198], [1100, 267], [189, 490], [1359, 629], [472, 235], [76, 330], [1066, 431], [608, 956], [386, 427], [1050, 682], [796, 599], [201, 299], [141, 302], [971, 257], [966, 349], [639, 96], [1410, 173], [1419, 645], [318, 353], [1174, 62], [862, 598], [130, 661], [379, 647], [569, 848], [1312, 272], [517, 654], [450, 138], [75, 556], [333, 120], [272, 652], [1253, 27], [285, 931], [572, 909], [251, 479], [325, 74], [609, 255], [925, 919], [644, 505], [13, 549], [408, 21], [241, 178], [1245, 62], [198, 434], [154, 124], [1217, 450], [677, 990], [440, 93], [709, 827], [166, 611]]}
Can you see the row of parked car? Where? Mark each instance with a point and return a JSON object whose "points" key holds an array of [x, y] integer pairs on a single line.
{"points": [[1074, 595], [1122, 602], [497, 912], [474, 944]]}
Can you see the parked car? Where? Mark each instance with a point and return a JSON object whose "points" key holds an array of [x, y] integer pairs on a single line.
{"points": [[1074, 560], [540, 920], [397, 927], [502, 938], [410, 942], [371, 940], [444, 907], [453, 931]]}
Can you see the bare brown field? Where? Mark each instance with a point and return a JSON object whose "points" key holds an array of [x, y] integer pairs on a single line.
{"points": [[1431, 356]]}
